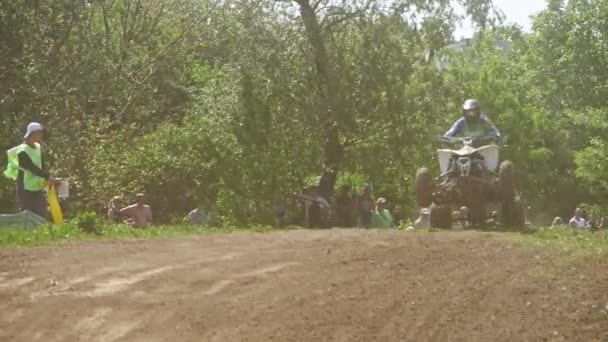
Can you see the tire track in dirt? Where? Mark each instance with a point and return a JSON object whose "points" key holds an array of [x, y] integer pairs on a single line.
{"points": [[336, 285]]}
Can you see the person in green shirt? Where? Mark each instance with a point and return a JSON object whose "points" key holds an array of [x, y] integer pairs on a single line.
{"points": [[381, 217], [26, 166]]}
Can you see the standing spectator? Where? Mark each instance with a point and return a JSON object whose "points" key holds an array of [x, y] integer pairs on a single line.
{"points": [[114, 209], [319, 209], [281, 214], [578, 222], [140, 213], [26, 166], [307, 201], [345, 208], [381, 217], [365, 207]]}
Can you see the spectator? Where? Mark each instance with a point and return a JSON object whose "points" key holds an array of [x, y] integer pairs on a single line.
{"points": [[578, 222], [27, 166], [492, 222], [381, 217], [197, 217], [307, 201], [365, 207], [424, 221], [345, 208], [140, 214], [281, 214], [557, 221], [114, 209], [318, 211], [593, 222]]}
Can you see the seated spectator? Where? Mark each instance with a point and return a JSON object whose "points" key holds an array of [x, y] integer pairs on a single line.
{"points": [[603, 223], [381, 217], [424, 220], [365, 206], [492, 222], [197, 217], [578, 222], [557, 222], [114, 210], [140, 214], [592, 221], [345, 208]]}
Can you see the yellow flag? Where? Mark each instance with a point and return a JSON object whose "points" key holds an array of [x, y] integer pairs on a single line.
{"points": [[54, 206]]}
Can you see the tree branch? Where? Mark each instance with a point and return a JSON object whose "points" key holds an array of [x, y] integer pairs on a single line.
{"points": [[168, 46], [316, 5]]}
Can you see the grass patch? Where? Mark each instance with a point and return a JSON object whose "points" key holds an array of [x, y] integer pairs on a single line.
{"points": [[69, 232], [571, 240]]}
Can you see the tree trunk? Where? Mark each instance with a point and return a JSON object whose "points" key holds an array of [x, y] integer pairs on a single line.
{"points": [[329, 86]]}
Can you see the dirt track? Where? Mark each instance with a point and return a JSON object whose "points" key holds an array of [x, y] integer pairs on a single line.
{"points": [[338, 285]]}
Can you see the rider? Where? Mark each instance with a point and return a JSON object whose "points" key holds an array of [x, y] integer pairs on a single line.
{"points": [[473, 123]]}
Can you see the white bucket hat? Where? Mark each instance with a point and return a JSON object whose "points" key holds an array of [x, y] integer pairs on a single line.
{"points": [[31, 128]]}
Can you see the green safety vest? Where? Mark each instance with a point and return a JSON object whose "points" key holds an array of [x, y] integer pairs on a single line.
{"points": [[31, 182]]}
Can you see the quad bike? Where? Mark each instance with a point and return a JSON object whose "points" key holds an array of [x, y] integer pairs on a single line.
{"points": [[470, 177]]}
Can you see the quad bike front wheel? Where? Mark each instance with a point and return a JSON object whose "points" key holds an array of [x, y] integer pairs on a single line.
{"points": [[424, 187], [441, 216]]}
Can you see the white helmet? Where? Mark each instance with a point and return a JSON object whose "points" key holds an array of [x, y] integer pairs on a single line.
{"points": [[471, 104]]}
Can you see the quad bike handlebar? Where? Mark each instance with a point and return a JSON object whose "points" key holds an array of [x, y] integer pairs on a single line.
{"points": [[467, 140]]}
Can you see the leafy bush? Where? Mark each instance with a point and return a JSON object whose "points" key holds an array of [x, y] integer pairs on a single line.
{"points": [[88, 222], [574, 239], [71, 231]]}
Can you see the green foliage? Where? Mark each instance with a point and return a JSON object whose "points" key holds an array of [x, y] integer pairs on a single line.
{"points": [[584, 240], [40, 235], [591, 164], [227, 105], [71, 232], [88, 222]]}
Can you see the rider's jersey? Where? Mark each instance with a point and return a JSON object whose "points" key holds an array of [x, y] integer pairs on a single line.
{"points": [[483, 126]]}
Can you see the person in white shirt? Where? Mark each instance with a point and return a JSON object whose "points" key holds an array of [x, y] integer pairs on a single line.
{"points": [[578, 222]]}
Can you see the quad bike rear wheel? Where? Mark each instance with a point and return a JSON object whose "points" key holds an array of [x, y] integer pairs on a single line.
{"points": [[425, 186], [441, 216]]}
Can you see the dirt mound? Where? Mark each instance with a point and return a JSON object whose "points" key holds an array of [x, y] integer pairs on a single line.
{"points": [[338, 285]]}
